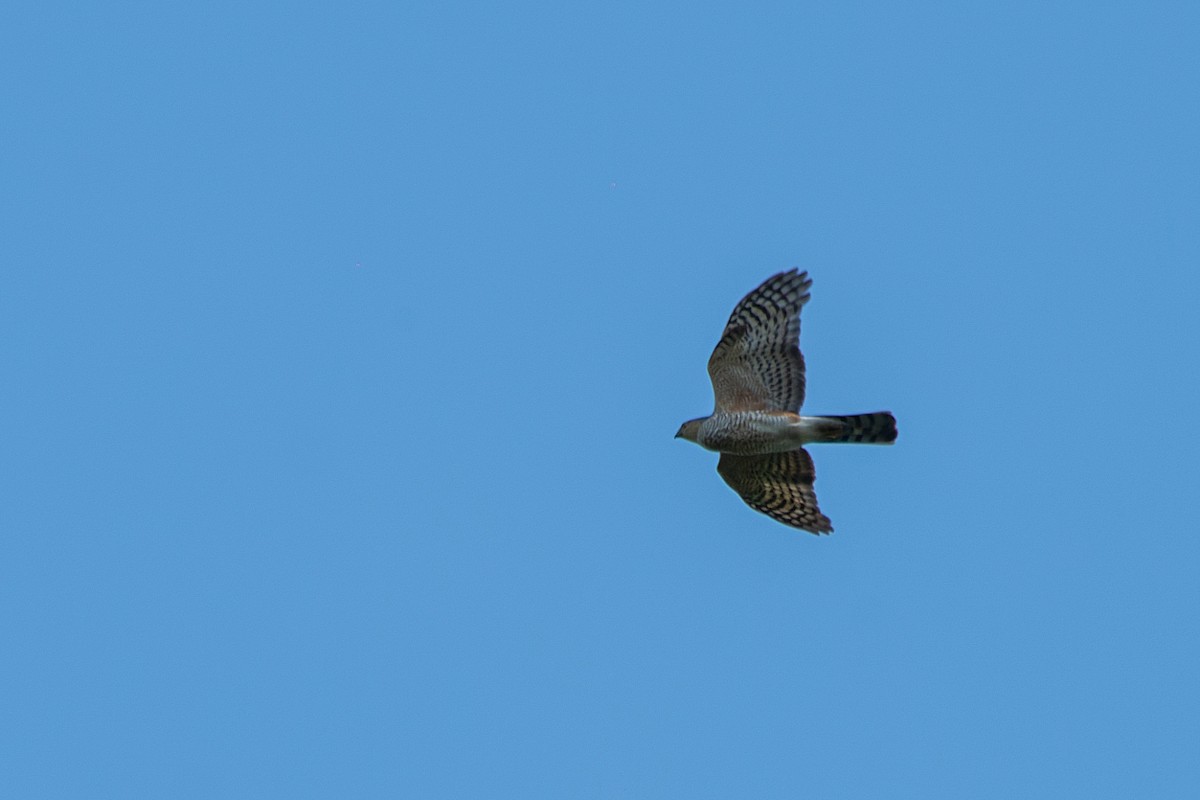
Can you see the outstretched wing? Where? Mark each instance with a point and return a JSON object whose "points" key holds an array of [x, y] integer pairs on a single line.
{"points": [[779, 485], [757, 364]]}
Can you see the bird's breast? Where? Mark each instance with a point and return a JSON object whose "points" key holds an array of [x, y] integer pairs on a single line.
{"points": [[750, 432]]}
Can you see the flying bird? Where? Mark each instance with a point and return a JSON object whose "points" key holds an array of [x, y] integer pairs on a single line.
{"points": [[757, 374]]}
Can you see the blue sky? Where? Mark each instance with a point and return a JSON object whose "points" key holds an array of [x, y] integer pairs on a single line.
{"points": [[344, 346]]}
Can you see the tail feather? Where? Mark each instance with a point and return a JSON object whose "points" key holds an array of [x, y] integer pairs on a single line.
{"points": [[876, 428]]}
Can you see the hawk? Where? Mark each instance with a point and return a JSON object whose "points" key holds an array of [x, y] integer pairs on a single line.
{"points": [[757, 374]]}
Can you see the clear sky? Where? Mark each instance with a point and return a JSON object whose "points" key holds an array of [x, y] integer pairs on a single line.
{"points": [[343, 346]]}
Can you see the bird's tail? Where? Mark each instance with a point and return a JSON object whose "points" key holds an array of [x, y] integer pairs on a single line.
{"points": [[876, 428]]}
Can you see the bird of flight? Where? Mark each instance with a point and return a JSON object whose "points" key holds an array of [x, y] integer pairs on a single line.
{"points": [[757, 374]]}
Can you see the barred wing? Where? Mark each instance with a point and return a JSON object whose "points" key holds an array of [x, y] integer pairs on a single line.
{"points": [[757, 364], [779, 485]]}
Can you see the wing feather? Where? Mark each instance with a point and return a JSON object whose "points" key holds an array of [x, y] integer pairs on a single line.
{"points": [[757, 364], [779, 485]]}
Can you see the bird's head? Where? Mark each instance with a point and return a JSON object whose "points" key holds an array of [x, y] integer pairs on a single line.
{"points": [[690, 430]]}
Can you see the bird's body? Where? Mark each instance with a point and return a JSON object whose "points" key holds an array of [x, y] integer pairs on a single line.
{"points": [[752, 433], [757, 373], [748, 433]]}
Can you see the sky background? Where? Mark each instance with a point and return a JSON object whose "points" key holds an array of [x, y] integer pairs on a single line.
{"points": [[343, 347]]}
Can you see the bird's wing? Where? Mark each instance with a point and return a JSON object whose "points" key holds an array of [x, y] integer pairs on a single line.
{"points": [[757, 364], [779, 485]]}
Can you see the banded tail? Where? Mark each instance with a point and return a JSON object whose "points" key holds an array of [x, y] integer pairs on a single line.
{"points": [[877, 428]]}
